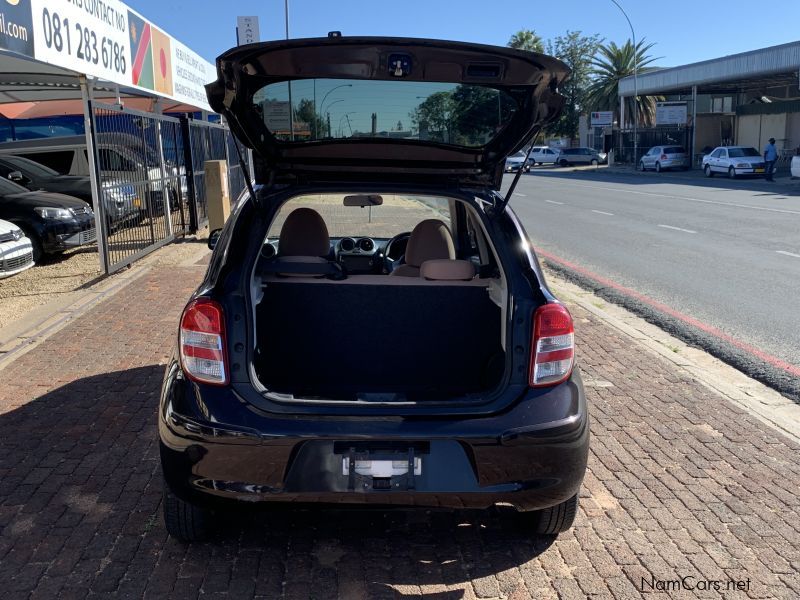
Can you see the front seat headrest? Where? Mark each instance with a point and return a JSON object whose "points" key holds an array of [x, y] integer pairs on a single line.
{"points": [[304, 233], [429, 240]]}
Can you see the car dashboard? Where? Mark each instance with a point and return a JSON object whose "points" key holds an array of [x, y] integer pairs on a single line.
{"points": [[357, 255]]}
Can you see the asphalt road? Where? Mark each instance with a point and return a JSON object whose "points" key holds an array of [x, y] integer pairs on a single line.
{"points": [[726, 253]]}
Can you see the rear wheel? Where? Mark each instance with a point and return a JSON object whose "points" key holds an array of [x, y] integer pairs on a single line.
{"points": [[707, 170], [731, 172], [594, 162], [553, 520], [641, 165], [184, 521], [563, 163], [658, 167]]}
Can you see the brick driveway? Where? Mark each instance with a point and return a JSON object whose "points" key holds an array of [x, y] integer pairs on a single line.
{"points": [[681, 483]]}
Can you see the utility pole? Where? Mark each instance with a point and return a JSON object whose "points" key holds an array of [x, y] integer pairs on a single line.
{"points": [[635, 87]]}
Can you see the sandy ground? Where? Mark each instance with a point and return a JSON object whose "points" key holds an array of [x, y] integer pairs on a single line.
{"points": [[51, 278]]}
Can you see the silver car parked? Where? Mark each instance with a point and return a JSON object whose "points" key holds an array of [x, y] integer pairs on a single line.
{"points": [[580, 156], [660, 158]]}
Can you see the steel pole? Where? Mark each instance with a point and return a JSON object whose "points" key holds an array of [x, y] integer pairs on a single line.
{"points": [[98, 197], [635, 84]]}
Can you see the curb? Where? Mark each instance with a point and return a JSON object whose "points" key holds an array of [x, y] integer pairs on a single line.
{"points": [[762, 402], [781, 180]]}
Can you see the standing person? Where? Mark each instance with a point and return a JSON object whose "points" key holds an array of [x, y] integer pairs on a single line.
{"points": [[770, 156]]}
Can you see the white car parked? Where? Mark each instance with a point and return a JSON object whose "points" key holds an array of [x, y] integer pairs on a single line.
{"points": [[735, 161], [16, 251], [664, 157], [795, 166], [541, 155]]}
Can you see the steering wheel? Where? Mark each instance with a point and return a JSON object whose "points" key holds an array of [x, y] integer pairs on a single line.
{"points": [[389, 264]]}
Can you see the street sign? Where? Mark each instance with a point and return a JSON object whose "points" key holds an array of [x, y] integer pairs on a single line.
{"points": [[247, 30], [603, 118], [276, 116], [671, 113]]}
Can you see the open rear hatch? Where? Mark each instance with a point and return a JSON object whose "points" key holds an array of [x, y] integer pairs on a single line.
{"points": [[384, 109]]}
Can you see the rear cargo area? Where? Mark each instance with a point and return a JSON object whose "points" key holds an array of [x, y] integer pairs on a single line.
{"points": [[375, 334]]}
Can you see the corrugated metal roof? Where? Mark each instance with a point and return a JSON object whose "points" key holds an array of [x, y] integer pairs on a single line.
{"points": [[756, 63]]}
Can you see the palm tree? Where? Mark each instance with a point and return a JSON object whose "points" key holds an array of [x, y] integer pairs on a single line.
{"points": [[526, 39], [612, 63]]}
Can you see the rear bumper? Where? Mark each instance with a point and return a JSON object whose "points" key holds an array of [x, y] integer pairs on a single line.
{"points": [[522, 457]]}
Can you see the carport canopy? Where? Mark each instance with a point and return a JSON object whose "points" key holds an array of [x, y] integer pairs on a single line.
{"points": [[31, 88], [776, 66]]}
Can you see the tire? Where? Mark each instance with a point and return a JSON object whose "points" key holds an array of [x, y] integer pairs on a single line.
{"points": [[641, 166], [731, 172], [554, 520], [563, 163], [185, 522], [36, 243], [707, 170], [594, 162], [658, 167]]}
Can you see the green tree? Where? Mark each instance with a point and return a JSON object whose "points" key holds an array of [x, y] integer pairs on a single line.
{"points": [[611, 64], [576, 50], [431, 119], [526, 39], [305, 113]]}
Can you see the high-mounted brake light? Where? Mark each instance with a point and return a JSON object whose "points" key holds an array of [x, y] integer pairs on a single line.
{"points": [[202, 342], [553, 351]]}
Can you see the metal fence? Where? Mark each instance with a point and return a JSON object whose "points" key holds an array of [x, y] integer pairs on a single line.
{"points": [[150, 179], [647, 138], [141, 183], [209, 141]]}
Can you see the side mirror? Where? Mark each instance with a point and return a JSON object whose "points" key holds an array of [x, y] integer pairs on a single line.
{"points": [[16, 176], [213, 238]]}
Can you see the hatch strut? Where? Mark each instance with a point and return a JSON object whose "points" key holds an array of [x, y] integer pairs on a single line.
{"points": [[246, 174], [499, 208]]}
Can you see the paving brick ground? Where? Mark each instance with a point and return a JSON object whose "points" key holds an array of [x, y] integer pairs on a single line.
{"points": [[680, 484]]}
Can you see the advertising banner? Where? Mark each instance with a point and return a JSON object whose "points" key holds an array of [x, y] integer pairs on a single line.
{"points": [[603, 118], [16, 27], [108, 40], [671, 113]]}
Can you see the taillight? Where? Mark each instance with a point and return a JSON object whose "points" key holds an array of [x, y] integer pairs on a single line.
{"points": [[663, 157], [203, 342], [553, 351]]}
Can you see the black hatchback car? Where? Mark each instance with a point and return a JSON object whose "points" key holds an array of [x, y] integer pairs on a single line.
{"points": [[374, 326]]}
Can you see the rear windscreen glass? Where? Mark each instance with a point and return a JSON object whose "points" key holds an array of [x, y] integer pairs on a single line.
{"points": [[323, 109], [674, 150], [740, 152]]}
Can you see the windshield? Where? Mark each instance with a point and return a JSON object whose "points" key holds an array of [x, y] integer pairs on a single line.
{"points": [[396, 215], [740, 152], [30, 167], [9, 187], [460, 115]]}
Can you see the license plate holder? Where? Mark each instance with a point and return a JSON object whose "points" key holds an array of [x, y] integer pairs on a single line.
{"points": [[381, 469]]}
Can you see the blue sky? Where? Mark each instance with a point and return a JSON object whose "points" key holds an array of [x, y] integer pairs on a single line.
{"points": [[684, 31]]}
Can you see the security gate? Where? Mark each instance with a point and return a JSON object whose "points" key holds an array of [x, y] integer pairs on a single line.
{"points": [[141, 182], [208, 141], [148, 171]]}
